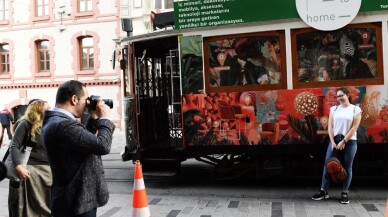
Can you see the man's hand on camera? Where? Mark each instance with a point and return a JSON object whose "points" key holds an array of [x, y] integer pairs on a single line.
{"points": [[102, 110], [92, 113]]}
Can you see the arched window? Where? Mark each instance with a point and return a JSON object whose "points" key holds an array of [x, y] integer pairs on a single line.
{"points": [[87, 53], [43, 56], [4, 59]]}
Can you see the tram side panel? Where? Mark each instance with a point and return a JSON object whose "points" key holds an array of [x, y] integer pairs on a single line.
{"points": [[289, 120], [283, 121]]}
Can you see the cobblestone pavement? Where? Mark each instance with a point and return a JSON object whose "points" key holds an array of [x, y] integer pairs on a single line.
{"points": [[205, 200]]}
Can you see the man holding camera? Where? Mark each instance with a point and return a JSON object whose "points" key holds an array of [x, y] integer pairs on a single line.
{"points": [[75, 151]]}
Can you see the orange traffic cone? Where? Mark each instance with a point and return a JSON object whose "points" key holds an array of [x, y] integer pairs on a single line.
{"points": [[139, 199], [386, 209]]}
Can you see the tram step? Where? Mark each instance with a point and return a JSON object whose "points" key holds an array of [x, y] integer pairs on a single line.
{"points": [[160, 173], [160, 163], [160, 159], [160, 167]]}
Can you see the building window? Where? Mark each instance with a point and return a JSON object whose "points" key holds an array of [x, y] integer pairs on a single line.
{"points": [[87, 61], [4, 9], [4, 59], [42, 8], [44, 56], [164, 4], [85, 5]]}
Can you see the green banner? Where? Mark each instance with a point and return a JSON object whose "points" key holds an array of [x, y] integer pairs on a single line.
{"points": [[205, 13]]}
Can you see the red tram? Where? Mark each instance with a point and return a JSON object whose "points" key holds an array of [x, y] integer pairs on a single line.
{"points": [[254, 98]]}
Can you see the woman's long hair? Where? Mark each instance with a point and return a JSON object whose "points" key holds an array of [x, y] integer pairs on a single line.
{"points": [[34, 115]]}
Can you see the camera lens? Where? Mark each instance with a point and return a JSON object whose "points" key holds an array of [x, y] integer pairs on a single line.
{"points": [[108, 102], [93, 99]]}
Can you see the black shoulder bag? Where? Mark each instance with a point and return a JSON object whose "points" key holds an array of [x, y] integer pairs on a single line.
{"points": [[24, 155]]}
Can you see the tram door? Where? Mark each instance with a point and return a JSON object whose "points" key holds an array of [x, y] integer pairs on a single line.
{"points": [[157, 83]]}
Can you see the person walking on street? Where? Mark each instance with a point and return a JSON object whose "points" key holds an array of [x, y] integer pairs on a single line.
{"points": [[1, 135], [31, 195], [6, 119], [75, 151], [344, 120]]}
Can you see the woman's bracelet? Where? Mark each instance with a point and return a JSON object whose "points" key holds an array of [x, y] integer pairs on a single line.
{"points": [[344, 141]]}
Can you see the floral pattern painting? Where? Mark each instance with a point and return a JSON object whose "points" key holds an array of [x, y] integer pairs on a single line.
{"points": [[192, 64], [274, 117]]}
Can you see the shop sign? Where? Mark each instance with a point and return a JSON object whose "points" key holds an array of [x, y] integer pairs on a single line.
{"points": [[208, 13]]}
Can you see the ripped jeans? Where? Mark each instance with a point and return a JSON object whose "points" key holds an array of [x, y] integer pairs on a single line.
{"points": [[350, 153]]}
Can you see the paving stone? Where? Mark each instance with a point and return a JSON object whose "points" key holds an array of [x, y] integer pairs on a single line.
{"points": [[370, 207], [354, 213], [233, 204], [289, 215], [186, 211], [375, 214], [300, 213]]}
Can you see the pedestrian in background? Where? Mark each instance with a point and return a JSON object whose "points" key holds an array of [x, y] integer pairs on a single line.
{"points": [[6, 119], [75, 151], [344, 120], [1, 135], [30, 196]]}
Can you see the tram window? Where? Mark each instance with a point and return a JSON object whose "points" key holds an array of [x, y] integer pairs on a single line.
{"points": [[127, 85]]}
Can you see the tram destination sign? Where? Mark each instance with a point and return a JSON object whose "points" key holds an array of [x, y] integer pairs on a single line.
{"points": [[207, 13]]}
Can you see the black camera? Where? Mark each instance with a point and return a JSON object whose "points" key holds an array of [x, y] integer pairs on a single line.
{"points": [[94, 99]]}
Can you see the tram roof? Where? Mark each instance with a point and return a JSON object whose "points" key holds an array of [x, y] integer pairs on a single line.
{"points": [[162, 33], [153, 35]]}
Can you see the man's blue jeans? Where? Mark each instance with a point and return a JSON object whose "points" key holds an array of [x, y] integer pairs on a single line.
{"points": [[350, 153]]}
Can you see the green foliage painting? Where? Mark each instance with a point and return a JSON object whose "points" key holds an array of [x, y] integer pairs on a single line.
{"points": [[191, 64]]}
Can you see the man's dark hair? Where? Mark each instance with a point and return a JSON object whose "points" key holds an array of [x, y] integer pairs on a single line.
{"points": [[67, 90]]}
